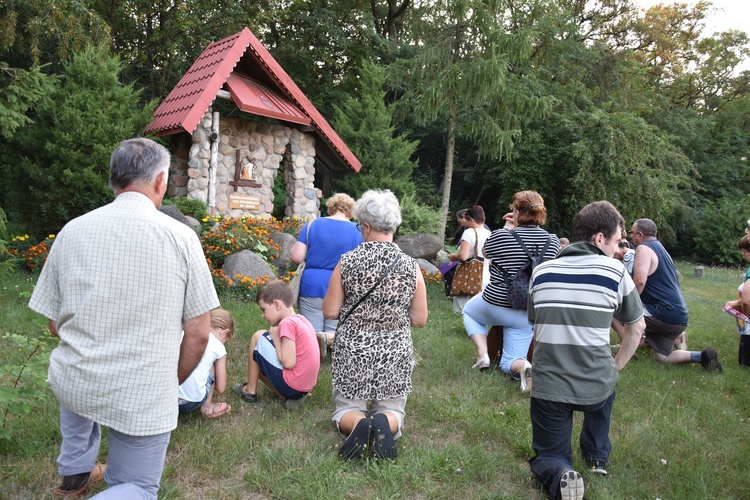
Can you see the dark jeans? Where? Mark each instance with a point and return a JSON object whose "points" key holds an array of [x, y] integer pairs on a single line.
{"points": [[552, 428]]}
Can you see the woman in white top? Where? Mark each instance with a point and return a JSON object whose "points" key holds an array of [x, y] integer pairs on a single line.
{"points": [[474, 236]]}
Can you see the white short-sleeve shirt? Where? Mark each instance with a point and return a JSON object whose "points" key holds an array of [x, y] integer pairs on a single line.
{"points": [[119, 281]]}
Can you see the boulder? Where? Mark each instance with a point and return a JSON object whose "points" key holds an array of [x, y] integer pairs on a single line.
{"points": [[286, 241], [194, 223], [176, 214], [441, 257], [427, 266], [246, 263], [420, 245]]}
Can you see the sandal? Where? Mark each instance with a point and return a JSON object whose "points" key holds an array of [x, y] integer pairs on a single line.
{"points": [[219, 410], [239, 388]]}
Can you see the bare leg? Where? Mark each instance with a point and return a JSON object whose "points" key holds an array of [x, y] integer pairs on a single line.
{"points": [[674, 357], [480, 341], [349, 421], [392, 421], [516, 367], [253, 370]]}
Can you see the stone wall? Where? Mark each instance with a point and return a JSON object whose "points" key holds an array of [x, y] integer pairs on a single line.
{"points": [[274, 149]]}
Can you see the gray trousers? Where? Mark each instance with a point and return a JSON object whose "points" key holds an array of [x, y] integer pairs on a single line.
{"points": [[134, 463]]}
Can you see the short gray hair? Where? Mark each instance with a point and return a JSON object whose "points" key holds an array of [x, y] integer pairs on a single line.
{"points": [[137, 161], [379, 209], [647, 227]]}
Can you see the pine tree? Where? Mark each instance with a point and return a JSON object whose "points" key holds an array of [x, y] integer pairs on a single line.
{"points": [[365, 125]]}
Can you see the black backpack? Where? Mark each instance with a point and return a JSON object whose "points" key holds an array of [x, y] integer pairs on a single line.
{"points": [[518, 286]]}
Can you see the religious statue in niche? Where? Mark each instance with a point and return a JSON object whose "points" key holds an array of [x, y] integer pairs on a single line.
{"points": [[245, 172]]}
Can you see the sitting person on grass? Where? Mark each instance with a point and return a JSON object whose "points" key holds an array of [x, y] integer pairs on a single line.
{"points": [[211, 373], [286, 357]]}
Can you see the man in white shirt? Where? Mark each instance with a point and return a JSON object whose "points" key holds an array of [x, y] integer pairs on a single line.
{"points": [[119, 286]]}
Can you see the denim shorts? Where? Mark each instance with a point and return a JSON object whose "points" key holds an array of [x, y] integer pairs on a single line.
{"points": [[270, 367], [188, 406]]}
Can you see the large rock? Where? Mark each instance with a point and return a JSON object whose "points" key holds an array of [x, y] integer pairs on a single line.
{"points": [[441, 257], [420, 245], [286, 241], [427, 266], [176, 213], [246, 263], [194, 223]]}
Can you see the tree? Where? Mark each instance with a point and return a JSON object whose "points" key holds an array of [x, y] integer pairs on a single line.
{"points": [[364, 123], [20, 90], [389, 17], [36, 32], [460, 77], [57, 168]]}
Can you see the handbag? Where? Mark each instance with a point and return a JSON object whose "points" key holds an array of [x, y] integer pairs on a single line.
{"points": [[467, 279], [297, 278]]}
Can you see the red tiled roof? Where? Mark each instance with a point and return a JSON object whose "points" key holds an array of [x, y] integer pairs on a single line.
{"points": [[185, 105]]}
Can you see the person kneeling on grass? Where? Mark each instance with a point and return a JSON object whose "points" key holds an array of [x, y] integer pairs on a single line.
{"points": [[211, 373], [286, 357]]}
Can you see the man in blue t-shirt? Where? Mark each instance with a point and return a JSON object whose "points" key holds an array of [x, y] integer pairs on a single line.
{"points": [[666, 313]]}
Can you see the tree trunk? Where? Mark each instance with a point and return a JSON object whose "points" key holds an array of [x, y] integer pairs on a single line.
{"points": [[448, 176]]}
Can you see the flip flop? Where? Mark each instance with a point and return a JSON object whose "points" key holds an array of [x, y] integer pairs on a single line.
{"points": [[223, 409]]}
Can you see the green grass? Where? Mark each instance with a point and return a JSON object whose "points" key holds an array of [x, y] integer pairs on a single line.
{"points": [[467, 434]]}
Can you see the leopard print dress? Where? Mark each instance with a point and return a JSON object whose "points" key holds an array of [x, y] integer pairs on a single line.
{"points": [[373, 353]]}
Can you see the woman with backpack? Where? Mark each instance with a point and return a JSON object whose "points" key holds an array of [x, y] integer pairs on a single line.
{"points": [[510, 250]]}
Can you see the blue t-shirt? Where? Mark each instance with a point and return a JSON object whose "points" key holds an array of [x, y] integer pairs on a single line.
{"points": [[329, 238]]}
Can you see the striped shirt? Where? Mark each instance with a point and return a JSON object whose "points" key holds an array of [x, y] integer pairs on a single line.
{"points": [[119, 282], [574, 300], [505, 252]]}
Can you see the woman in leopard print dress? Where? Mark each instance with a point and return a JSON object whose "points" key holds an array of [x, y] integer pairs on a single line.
{"points": [[373, 356]]}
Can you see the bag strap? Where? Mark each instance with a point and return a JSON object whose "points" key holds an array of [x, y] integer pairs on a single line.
{"points": [[367, 294], [526, 249], [476, 244]]}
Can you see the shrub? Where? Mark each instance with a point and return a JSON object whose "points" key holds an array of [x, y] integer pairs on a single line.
{"points": [[24, 384], [6, 259], [720, 226], [192, 207], [417, 217]]}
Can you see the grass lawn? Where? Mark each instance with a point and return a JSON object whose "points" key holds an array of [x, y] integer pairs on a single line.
{"points": [[677, 431]]}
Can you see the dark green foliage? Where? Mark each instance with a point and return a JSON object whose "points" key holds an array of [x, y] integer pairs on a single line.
{"points": [[196, 209], [20, 90], [57, 168], [416, 217], [365, 124], [720, 227]]}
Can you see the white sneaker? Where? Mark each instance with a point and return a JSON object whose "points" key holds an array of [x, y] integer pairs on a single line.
{"points": [[571, 486], [526, 377]]}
